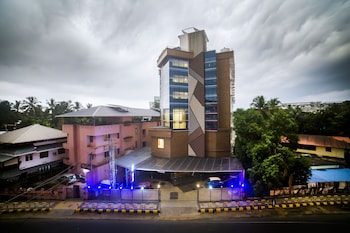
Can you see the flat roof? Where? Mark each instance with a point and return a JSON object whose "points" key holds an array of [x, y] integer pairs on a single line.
{"points": [[144, 161]]}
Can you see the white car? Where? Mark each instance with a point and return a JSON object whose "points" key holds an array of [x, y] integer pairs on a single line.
{"points": [[68, 179], [214, 182]]}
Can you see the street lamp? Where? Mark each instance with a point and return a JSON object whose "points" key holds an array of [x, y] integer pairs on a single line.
{"points": [[210, 188], [158, 187], [142, 194], [198, 186]]}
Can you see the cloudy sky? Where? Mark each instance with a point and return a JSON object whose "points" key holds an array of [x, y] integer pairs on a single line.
{"points": [[105, 52]]}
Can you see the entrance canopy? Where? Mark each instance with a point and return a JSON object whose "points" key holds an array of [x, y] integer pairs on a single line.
{"points": [[144, 161]]}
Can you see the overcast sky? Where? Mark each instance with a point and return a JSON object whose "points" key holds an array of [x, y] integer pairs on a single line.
{"points": [[105, 52]]}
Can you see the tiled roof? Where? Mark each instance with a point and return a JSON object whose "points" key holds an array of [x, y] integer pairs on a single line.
{"points": [[32, 133], [112, 111], [326, 141]]}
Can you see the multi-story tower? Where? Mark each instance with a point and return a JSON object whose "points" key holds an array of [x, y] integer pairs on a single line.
{"points": [[196, 93]]}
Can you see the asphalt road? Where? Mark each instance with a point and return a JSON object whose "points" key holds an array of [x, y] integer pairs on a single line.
{"points": [[314, 223]]}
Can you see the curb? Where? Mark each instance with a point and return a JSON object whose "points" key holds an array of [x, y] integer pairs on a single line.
{"points": [[21, 210], [103, 210], [286, 204]]}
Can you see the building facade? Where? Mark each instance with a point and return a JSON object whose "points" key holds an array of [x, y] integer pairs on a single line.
{"points": [[196, 97], [98, 135], [336, 147], [30, 153]]}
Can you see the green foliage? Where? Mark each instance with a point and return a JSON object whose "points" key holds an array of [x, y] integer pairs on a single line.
{"points": [[333, 120], [269, 161], [30, 111]]}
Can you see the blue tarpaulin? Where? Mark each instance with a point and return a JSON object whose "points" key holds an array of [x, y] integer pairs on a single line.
{"points": [[330, 175]]}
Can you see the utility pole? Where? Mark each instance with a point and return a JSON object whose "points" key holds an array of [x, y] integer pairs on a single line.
{"points": [[112, 168]]}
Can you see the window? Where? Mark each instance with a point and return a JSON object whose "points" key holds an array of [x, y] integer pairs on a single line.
{"points": [[160, 143], [44, 154], [107, 137], [61, 151], [29, 157], [180, 79], [179, 118], [179, 63], [307, 147], [180, 95], [106, 154], [329, 149], [91, 139], [118, 135]]}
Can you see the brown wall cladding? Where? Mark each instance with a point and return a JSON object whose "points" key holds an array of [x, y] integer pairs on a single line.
{"points": [[223, 82], [175, 142], [217, 143]]}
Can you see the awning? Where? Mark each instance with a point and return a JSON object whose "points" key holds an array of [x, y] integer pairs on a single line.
{"points": [[330, 175], [144, 161]]}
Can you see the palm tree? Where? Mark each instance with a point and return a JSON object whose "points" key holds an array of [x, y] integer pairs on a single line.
{"points": [[16, 106], [273, 103], [259, 103], [77, 106], [30, 105]]}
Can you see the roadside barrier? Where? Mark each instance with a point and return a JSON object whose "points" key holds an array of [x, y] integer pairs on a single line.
{"points": [[283, 203], [138, 208], [18, 207]]}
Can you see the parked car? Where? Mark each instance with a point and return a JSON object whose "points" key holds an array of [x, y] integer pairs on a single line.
{"points": [[80, 178], [143, 185], [68, 179], [104, 184], [214, 182]]}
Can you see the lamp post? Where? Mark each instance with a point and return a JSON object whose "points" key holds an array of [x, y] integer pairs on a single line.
{"points": [[142, 194], [158, 187], [221, 193], [210, 188], [198, 186]]}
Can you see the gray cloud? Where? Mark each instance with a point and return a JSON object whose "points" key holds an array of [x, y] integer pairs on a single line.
{"points": [[104, 52]]}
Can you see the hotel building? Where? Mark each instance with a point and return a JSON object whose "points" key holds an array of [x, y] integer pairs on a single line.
{"points": [[196, 97]]}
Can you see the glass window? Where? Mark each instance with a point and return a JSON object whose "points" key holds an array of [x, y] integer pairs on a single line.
{"points": [[106, 137], [179, 118], [180, 79], [61, 151], [179, 63], [180, 95], [44, 154], [160, 143], [166, 118]]}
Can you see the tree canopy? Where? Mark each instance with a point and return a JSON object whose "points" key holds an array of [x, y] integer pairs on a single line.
{"points": [[30, 111], [266, 140]]}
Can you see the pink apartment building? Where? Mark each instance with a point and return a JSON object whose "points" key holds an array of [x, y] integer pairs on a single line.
{"points": [[97, 135]]}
